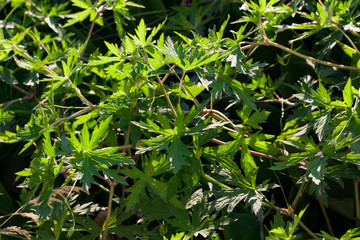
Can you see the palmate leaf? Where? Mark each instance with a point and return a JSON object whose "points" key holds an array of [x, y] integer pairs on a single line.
{"points": [[235, 58], [188, 59], [252, 199], [243, 93], [92, 162], [89, 160], [88, 169], [256, 118], [140, 37], [317, 169], [218, 87], [157, 188]]}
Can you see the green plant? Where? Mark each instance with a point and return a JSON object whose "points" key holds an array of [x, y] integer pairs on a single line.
{"points": [[181, 135]]}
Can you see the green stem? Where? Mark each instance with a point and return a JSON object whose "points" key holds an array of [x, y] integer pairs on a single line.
{"points": [[13, 10], [307, 230], [111, 195], [299, 194], [180, 86], [210, 179], [78, 113], [161, 85], [98, 11]]}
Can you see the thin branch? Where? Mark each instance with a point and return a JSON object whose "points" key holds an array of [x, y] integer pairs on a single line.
{"points": [[180, 86], [348, 38], [357, 201], [8, 104], [20, 89], [212, 180], [298, 195], [111, 195], [326, 217], [78, 113], [307, 230], [161, 85], [274, 44], [98, 11], [351, 31]]}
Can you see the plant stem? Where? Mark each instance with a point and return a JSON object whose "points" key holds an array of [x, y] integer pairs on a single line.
{"points": [[98, 11], [348, 38], [207, 177], [20, 89], [161, 85], [112, 185], [357, 201], [78, 113], [180, 86], [274, 44], [298, 195], [164, 79], [326, 217], [340, 25], [307, 230], [220, 116]]}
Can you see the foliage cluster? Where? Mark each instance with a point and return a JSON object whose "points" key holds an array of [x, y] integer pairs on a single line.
{"points": [[213, 120]]}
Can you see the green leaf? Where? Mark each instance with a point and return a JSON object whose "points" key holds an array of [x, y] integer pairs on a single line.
{"points": [[177, 153], [248, 164], [114, 49], [82, 4], [113, 173], [88, 169], [75, 143], [256, 118], [140, 31], [85, 138], [323, 93], [100, 132], [348, 94], [137, 191], [48, 148], [6, 76], [317, 169], [79, 17], [243, 93], [322, 124]]}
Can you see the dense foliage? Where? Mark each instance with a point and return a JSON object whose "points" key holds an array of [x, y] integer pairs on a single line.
{"points": [[179, 120]]}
